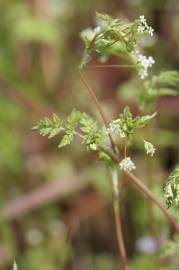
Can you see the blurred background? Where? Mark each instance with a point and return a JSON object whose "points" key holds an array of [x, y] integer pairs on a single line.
{"points": [[56, 205]]}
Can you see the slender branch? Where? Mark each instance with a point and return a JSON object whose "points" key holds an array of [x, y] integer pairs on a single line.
{"points": [[132, 177], [94, 98], [120, 239], [145, 190], [152, 197]]}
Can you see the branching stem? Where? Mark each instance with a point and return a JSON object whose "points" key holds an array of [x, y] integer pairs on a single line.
{"points": [[132, 177]]}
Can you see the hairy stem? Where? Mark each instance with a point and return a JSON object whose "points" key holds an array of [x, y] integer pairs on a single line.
{"points": [[94, 98], [120, 239]]}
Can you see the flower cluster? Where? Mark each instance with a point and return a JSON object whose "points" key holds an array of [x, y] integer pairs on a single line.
{"points": [[143, 26], [116, 130], [145, 63], [150, 149], [127, 164], [93, 146]]}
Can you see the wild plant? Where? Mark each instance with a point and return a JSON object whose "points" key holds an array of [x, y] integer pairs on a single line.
{"points": [[116, 37]]}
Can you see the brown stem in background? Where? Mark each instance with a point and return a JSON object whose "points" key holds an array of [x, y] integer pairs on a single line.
{"points": [[120, 239], [144, 189], [150, 184], [94, 98], [152, 197]]}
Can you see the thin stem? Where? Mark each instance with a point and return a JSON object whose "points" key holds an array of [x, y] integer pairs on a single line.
{"points": [[120, 239], [125, 148], [150, 184], [132, 177], [94, 98], [145, 190], [111, 66]]}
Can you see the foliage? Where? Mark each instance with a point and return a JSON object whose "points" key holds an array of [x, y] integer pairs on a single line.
{"points": [[166, 83], [71, 125], [116, 37], [92, 136], [171, 189], [170, 253], [50, 127], [125, 125]]}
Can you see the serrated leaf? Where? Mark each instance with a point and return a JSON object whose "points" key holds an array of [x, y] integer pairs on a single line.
{"points": [[164, 84], [126, 124], [49, 127], [166, 92], [142, 121], [71, 124], [103, 17]]}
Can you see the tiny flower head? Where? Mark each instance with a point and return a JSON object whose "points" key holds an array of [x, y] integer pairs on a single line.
{"points": [[93, 146], [116, 130], [145, 63], [144, 27], [127, 164]]}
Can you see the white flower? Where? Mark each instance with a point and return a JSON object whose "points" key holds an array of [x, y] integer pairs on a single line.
{"points": [[145, 62], [140, 29], [150, 31], [150, 149], [127, 164], [93, 146], [97, 29], [142, 19], [15, 266], [143, 26]]}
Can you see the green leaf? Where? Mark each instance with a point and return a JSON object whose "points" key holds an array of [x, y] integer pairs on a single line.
{"points": [[170, 77], [126, 124], [103, 17], [93, 135], [49, 127], [113, 37], [142, 121], [71, 125], [164, 84]]}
